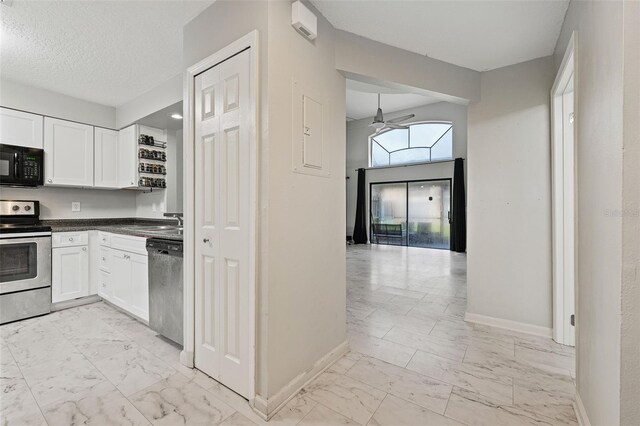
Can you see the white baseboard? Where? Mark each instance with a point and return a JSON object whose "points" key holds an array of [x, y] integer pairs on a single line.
{"points": [[581, 413], [186, 358], [520, 327], [266, 408]]}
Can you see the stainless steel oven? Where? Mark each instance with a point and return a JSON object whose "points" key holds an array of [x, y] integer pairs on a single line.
{"points": [[25, 263]]}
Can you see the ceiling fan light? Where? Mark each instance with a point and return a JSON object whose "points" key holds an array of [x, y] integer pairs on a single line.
{"points": [[377, 125]]}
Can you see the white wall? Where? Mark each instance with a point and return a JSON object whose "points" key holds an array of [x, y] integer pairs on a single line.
{"points": [[161, 96], [509, 195], [358, 132], [40, 101], [361, 58], [607, 131], [55, 203]]}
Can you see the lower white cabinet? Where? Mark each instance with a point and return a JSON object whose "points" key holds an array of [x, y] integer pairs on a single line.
{"points": [[124, 276], [69, 267]]}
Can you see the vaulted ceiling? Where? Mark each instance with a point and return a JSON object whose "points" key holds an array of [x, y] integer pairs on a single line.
{"points": [[107, 52], [477, 34]]}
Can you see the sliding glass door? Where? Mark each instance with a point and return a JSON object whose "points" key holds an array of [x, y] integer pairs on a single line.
{"points": [[389, 213], [412, 213]]}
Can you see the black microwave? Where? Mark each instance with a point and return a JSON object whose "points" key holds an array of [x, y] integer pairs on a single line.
{"points": [[20, 166]]}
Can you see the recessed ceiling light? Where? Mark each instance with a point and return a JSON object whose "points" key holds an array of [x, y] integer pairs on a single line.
{"points": [[176, 116]]}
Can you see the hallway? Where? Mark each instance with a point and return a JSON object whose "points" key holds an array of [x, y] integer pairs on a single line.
{"points": [[414, 360]]}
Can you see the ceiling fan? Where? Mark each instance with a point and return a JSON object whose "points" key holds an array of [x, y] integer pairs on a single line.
{"points": [[379, 124]]}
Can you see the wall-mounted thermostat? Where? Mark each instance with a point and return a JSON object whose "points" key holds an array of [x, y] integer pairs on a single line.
{"points": [[304, 20]]}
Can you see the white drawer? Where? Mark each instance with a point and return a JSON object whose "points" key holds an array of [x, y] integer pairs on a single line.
{"points": [[103, 259], [129, 243], [69, 239], [104, 238]]}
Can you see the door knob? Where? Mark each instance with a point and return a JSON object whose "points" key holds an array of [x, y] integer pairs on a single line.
{"points": [[205, 240]]}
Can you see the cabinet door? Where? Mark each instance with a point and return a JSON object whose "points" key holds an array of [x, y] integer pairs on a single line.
{"points": [[139, 286], [69, 273], [68, 153], [104, 285], [120, 280], [106, 158], [21, 128], [128, 157]]}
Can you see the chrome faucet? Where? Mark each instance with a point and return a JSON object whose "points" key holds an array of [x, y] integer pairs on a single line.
{"points": [[178, 216]]}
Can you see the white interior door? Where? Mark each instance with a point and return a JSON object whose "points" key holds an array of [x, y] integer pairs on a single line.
{"points": [[222, 128], [568, 186]]}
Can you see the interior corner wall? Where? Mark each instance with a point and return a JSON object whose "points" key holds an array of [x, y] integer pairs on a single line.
{"points": [[599, 132], [630, 293], [358, 132], [52, 104], [509, 195], [307, 251]]}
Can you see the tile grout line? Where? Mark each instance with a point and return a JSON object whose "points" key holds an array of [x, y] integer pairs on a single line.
{"points": [[27, 384]]}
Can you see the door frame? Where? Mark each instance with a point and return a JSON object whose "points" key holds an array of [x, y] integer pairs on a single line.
{"points": [[561, 317], [249, 41], [407, 182]]}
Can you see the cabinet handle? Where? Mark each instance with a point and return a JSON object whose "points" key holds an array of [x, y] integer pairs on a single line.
{"points": [[49, 180], [70, 238], [104, 260], [205, 240], [84, 249], [126, 256]]}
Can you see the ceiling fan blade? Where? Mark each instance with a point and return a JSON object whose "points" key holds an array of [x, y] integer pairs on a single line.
{"points": [[395, 126], [400, 119]]}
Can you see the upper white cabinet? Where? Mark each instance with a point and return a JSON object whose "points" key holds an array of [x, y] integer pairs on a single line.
{"points": [[127, 157], [21, 128], [68, 150], [106, 158]]}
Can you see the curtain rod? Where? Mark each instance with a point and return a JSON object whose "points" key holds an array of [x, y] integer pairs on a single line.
{"points": [[409, 165]]}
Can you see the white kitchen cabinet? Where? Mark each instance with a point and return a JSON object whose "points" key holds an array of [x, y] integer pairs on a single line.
{"points": [[104, 284], [128, 157], [69, 273], [139, 301], [68, 153], [106, 147], [124, 273], [21, 128], [120, 279]]}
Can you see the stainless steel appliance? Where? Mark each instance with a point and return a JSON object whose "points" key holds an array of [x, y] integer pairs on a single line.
{"points": [[20, 166], [25, 261], [165, 288]]}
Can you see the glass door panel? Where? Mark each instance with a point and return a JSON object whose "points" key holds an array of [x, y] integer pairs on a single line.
{"points": [[428, 220], [388, 206]]}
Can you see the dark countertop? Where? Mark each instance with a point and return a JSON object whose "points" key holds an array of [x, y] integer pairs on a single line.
{"points": [[114, 225]]}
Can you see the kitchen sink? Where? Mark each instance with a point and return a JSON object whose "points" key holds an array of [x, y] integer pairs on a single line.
{"points": [[162, 229]]}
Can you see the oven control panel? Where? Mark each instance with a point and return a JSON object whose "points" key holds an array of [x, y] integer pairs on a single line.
{"points": [[18, 208]]}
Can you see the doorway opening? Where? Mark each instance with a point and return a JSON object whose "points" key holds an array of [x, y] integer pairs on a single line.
{"points": [[411, 213], [564, 200]]}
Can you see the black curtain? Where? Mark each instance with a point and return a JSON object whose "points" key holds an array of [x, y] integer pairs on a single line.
{"points": [[458, 213], [360, 229]]}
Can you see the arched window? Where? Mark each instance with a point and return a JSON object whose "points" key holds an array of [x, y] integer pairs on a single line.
{"points": [[419, 143]]}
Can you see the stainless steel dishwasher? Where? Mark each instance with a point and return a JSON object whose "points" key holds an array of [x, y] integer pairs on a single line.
{"points": [[165, 288]]}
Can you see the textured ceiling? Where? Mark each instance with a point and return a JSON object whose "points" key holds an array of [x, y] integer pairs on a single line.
{"points": [[481, 35], [362, 100], [102, 51]]}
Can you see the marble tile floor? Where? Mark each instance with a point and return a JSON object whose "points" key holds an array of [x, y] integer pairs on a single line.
{"points": [[413, 361]]}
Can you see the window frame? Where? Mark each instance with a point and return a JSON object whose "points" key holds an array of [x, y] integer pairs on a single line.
{"points": [[371, 141]]}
